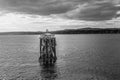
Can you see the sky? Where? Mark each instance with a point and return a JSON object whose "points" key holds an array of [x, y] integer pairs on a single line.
{"points": [[39, 15]]}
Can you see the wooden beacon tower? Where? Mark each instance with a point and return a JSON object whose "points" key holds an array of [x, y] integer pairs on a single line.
{"points": [[47, 49]]}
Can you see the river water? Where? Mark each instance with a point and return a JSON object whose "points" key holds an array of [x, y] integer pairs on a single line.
{"points": [[80, 57]]}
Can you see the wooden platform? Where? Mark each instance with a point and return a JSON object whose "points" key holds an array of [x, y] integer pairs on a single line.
{"points": [[47, 49]]}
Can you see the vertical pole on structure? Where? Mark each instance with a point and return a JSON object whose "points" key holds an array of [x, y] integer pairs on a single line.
{"points": [[46, 53], [54, 49], [40, 46]]}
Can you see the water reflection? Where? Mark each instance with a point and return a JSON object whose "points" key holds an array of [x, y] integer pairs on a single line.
{"points": [[49, 72]]}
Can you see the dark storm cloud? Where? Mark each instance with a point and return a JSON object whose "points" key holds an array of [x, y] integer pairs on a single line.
{"points": [[95, 10], [118, 15], [39, 7]]}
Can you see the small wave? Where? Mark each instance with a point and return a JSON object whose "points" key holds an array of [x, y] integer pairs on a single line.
{"points": [[18, 65]]}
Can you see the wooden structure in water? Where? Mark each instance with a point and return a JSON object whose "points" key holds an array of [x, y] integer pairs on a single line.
{"points": [[47, 49]]}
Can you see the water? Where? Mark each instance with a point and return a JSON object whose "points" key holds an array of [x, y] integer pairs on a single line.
{"points": [[80, 57]]}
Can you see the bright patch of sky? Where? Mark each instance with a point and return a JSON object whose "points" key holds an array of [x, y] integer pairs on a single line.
{"points": [[20, 22]]}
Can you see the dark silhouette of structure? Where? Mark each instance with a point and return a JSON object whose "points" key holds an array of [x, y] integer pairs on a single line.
{"points": [[47, 49]]}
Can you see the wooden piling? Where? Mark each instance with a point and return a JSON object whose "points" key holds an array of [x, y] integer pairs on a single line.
{"points": [[47, 49]]}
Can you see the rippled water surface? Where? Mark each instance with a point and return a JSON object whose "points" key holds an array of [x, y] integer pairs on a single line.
{"points": [[80, 57]]}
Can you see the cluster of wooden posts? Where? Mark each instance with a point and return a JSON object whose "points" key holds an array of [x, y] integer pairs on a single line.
{"points": [[47, 50]]}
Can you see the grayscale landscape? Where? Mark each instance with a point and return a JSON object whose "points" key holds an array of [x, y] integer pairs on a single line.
{"points": [[59, 40]]}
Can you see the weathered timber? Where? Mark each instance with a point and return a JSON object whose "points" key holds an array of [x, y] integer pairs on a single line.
{"points": [[47, 49]]}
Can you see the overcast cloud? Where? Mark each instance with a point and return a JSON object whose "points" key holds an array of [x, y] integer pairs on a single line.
{"points": [[90, 10]]}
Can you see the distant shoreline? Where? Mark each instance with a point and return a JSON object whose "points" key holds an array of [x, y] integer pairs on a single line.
{"points": [[70, 31]]}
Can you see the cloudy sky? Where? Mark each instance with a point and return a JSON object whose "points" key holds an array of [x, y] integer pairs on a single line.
{"points": [[38, 15]]}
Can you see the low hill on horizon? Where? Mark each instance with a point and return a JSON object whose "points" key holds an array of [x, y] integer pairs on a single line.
{"points": [[89, 31], [69, 31]]}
